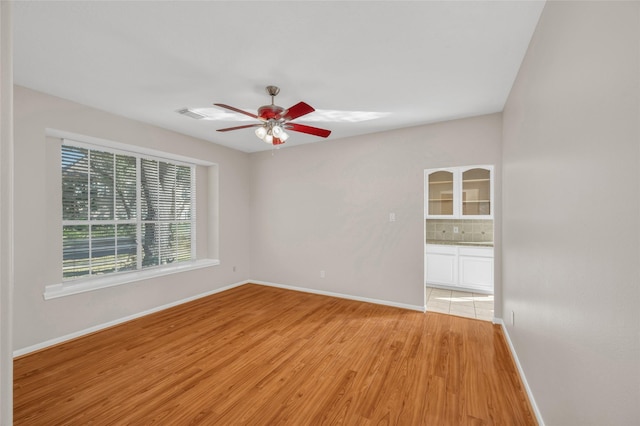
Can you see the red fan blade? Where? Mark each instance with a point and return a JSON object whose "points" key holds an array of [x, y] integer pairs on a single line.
{"points": [[298, 110], [240, 127], [308, 129], [238, 110]]}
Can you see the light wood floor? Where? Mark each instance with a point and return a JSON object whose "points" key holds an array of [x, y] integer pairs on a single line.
{"points": [[265, 356]]}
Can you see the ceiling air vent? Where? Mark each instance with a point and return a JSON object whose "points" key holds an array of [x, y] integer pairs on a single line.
{"points": [[192, 114]]}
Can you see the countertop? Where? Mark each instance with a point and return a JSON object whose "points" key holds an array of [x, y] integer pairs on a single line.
{"points": [[462, 243]]}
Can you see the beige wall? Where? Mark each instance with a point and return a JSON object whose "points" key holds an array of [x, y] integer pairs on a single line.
{"points": [[326, 207], [571, 213], [37, 218], [6, 213]]}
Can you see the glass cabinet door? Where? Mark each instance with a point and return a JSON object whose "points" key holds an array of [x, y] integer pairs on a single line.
{"points": [[440, 193], [476, 192]]}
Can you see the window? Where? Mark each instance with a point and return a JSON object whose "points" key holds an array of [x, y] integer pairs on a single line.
{"points": [[124, 212]]}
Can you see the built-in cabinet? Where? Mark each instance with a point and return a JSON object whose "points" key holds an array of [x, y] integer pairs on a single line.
{"points": [[441, 264], [468, 268], [459, 192]]}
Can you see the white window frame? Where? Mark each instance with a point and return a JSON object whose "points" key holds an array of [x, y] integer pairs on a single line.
{"points": [[90, 283]]}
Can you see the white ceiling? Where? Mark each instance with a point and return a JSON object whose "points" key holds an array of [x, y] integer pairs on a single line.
{"points": [[416, 61]]}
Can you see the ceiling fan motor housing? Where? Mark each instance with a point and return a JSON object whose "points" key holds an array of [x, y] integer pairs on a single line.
{"points": [[267, 112]]}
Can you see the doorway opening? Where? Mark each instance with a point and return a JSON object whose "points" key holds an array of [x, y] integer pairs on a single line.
{"points": [[458, 236]]}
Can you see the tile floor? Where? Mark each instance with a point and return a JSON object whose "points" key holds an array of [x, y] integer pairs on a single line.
{"points": [[460, 303]]}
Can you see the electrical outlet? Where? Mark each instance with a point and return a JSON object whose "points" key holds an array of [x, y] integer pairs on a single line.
{"points": [[234, 269], [455, 230], [321, 274], [392, 217], [513, 318]]}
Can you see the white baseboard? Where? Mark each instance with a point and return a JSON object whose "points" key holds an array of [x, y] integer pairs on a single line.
{"points": [[61, 339], [419, 308], [536, 411]]}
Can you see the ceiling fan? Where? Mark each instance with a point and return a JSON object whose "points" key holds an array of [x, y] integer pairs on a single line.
{"points": [[275, 120]]}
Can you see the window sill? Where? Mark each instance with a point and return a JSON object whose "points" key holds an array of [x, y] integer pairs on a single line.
{"points": [[54, 291]]}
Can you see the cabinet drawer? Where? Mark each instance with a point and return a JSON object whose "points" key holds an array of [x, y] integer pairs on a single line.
{"points": [[441, 249], [476, 251]]}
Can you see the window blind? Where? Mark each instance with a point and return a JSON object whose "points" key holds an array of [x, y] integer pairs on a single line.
{"points": [[124, 212]]}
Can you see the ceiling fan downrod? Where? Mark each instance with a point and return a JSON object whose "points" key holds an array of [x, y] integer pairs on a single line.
{"points": [[272, 91]]}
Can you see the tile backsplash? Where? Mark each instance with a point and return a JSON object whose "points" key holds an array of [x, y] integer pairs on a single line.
{"points": [[469, 230]]}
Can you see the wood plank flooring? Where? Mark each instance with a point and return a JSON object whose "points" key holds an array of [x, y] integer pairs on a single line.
{"points": [[257, 355]]}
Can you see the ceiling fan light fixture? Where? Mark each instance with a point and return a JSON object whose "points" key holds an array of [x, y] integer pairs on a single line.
{"points": [[268, 138], [277, 131], [283, 136], [261, 132]]}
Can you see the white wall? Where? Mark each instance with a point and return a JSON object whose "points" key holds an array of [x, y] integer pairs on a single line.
{"points": [[571, 226], [326, 207], [37, 220]]}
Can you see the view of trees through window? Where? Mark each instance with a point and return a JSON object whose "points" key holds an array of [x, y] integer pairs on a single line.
{"points": [[122, 212]]}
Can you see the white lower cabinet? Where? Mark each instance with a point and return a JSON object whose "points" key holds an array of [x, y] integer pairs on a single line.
{"points": [[462, 267], [441, 264]]}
